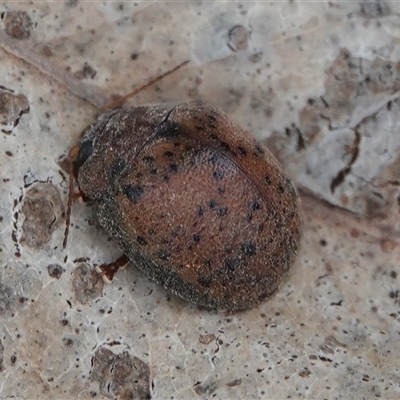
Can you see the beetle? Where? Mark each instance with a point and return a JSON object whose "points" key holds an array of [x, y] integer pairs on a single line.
{"points": [[192, 200]]}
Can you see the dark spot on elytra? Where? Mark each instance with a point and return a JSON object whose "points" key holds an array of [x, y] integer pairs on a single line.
{"points": [[248, 247], [166, 178], [196, 238], [141, 240], [168, 154], [164, 254], [225, 146], [208, 262], [213, 136], [133, 192], [117, 168], [153, 171], [267, 180], [212, 203], [249, 217], [174, 168], [231, 264], [222, 211], [213, 159], [205, 281], [260, 228], [148, 159], [281, 189], [242, 151], [255, 205], [218, 175], [221, 190], [200, 128], [188, 147], [200, 211]]}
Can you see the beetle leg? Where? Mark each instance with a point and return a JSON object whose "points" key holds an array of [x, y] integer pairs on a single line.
{"points": [[107, 271]]}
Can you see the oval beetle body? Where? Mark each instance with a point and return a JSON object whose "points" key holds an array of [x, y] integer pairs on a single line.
{"points": [[194, 201]]}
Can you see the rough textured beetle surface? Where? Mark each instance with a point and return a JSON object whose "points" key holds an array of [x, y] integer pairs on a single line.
{"points": [[194, 201]]}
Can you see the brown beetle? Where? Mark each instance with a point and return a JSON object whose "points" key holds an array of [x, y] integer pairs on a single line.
{"points": [[193, 200]]}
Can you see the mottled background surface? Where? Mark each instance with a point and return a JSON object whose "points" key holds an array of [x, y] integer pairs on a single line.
{"points": [[319, 83]]}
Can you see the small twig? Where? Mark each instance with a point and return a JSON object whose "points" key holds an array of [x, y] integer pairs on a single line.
{"points": [[121, 99]]}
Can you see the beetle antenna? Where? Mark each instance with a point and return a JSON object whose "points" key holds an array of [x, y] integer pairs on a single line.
{"points": [[121, 99]]}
